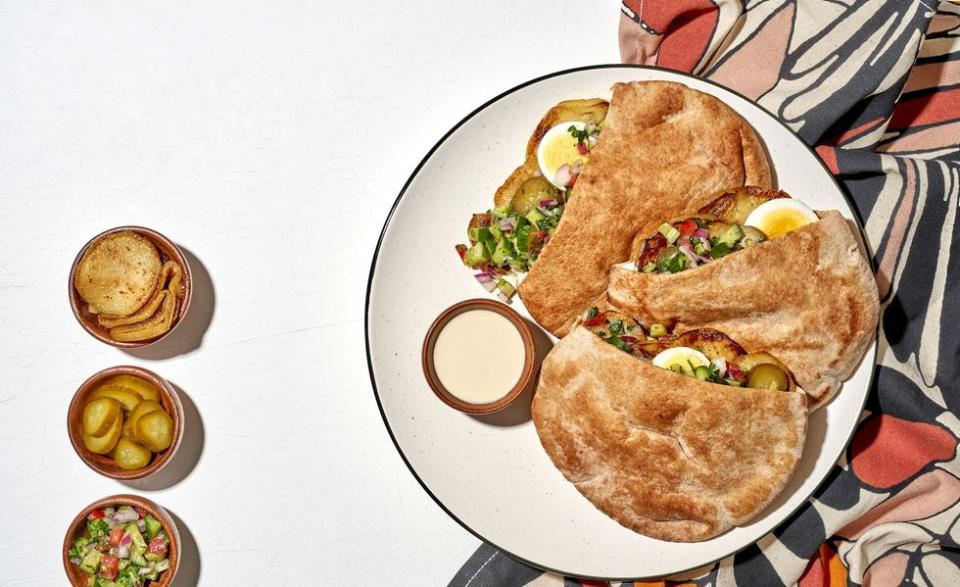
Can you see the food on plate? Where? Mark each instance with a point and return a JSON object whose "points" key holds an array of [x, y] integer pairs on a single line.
{"points": [[478, 337], [808, 297], [706, 354], [564, 151], [592, 111], [778, 217], [507, 239], [128, 287], [660, 146], [719, 228], [666, 455], [121, 547], [124, 420]]}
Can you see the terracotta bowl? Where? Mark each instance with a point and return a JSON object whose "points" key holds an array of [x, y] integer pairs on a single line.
{"points": [[168, 251], [103, 464], [528, 376], [78, 578]]}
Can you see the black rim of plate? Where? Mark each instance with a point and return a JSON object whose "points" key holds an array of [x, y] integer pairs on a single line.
{"points": [[403, 191]]}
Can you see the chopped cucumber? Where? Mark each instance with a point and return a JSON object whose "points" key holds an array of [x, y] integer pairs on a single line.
{"points": [[669, 232], [732, 236]]}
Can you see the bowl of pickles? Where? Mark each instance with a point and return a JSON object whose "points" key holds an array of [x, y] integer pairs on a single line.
{"points": [[125, 422]]}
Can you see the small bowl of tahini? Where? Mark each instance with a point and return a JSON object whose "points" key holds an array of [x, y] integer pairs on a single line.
{"points": [[479, 356]]}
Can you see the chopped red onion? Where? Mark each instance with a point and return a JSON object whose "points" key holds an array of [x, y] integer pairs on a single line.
{"points": [[123, 551], [547, 203], [126, 540], [563, 176], [694, 258], [508, 223], [142, 525], [702, 233], [628, 339], [721, 364]]}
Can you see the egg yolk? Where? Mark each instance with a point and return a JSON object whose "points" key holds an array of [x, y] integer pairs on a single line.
{"points": [[562, 149], [779, 222], [685, 362]]}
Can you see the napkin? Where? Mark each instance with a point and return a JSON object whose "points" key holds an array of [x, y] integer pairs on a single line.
{"points": [[874, 87]]}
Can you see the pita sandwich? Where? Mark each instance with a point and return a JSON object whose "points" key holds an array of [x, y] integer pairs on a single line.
{"points": [[662, 145], [808, 297], [666, 455]]}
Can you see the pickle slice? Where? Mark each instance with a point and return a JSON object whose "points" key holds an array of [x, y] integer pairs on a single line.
{"points": [[127, 398], [104, 444], [99, 415], [130, 455], [155, 430]]}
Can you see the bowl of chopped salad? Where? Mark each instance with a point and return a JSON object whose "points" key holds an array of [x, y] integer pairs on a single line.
{"points": [[121, 541]]}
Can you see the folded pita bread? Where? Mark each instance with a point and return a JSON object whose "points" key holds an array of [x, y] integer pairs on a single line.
{"points": [[809, 298], [662, 145], [663, 454]]}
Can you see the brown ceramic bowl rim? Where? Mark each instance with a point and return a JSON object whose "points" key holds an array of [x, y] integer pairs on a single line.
{"points": [[526, 375], [173, 533], [165, 245], [79, 401]]}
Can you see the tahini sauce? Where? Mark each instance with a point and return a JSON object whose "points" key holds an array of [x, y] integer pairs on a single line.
{"points": [[479, 356]]}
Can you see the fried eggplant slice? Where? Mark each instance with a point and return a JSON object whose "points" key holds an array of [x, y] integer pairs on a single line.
{"points": [[153, 304], [152, 328], [118, 274], [733, 206]]}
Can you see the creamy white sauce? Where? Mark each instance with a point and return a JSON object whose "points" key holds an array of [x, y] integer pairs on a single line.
{"points": [[479, 356]]}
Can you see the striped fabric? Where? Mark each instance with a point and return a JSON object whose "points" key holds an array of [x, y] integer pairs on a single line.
{"points": [[875, 87]]}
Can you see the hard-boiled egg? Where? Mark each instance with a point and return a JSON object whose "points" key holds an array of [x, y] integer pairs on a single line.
{"points": [[559, 156], [684, 358], [779, 216]]}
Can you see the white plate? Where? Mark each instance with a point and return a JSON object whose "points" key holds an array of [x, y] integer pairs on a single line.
{"points": [[495, 479]]}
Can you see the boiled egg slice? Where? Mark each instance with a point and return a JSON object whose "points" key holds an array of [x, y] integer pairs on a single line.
{"points": [[680, 358], [779, 216], [559, 156]]}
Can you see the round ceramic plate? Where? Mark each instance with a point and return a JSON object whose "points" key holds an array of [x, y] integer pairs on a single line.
{"points": [[491, 474]]}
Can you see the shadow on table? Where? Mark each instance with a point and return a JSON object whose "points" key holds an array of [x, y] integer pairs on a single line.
{"points": [[188, 335], [518, 412], [188, 574], [187, 456]]}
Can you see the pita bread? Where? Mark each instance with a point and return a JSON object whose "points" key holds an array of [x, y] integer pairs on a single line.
{"points": [[809, 298], [662, 145], [665, 455]]}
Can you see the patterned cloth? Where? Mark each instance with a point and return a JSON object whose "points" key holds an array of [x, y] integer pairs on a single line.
{"points": [[875, 86]]}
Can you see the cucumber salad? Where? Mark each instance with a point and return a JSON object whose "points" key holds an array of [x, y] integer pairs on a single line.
{"points": [[122, 547]]}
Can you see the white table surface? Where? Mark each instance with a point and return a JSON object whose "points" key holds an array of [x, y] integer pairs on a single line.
{"points": [[269, 139]]}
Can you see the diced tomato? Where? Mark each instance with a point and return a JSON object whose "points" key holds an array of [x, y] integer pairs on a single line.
{"points": [[651, 249], [96, 514], [687, 227], [157, 546], [108, 567], [140, 512], [734, 372], [116, 535], [538, 239], [582, 149], [461, 250], [600, 318]]}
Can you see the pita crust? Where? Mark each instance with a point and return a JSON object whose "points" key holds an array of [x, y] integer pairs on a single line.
{"points": [[665, 455], [809, 298], [662, 145]]}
